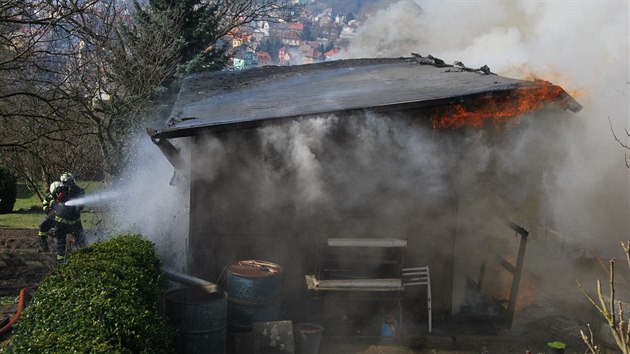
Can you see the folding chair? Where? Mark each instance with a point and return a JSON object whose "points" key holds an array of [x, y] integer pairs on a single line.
{"points": [[417, 277]]}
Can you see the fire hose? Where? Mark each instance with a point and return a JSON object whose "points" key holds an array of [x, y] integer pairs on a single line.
{"points": [[17, 313]]}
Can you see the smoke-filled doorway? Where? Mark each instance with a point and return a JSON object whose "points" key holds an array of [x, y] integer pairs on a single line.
{"points": [[281, 191]]}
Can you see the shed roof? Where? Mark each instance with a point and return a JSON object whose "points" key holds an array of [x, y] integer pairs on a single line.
{"points": [[237, 99]]}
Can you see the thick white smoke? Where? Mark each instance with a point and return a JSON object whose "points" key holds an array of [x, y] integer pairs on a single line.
{"points": [[298, 141], [147, 204], [579, 45]]}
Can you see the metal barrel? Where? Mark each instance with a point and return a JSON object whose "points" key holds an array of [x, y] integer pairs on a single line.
{"points": [[200, 319], [254, 291]]}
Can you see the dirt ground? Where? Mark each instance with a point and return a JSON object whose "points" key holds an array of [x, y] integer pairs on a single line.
{"points": [[22, 265], [21, 262], [548, 318]]}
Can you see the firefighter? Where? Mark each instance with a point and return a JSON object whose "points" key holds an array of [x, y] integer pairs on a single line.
{"points": [[49, 222], [68, 217]]}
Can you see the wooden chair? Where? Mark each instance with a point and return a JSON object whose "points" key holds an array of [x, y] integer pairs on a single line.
{"points": [[419, 276]]}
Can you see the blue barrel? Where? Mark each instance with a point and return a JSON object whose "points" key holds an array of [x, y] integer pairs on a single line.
{"points": [[200, 319], [254, 291]]}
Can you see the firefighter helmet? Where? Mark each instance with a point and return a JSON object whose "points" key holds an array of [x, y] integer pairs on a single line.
{"points": [[53, 186], [67, 178]]}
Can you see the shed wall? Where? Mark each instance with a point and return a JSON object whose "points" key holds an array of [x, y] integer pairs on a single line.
{"points": [[248, 202]]}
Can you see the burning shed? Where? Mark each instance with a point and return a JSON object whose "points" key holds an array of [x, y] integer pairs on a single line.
{"points": [[280, 160]]}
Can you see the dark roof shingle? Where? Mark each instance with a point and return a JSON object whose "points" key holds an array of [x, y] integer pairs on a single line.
{"points": [[234, 99]]}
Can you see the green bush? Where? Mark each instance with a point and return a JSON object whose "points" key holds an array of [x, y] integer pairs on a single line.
{"points": [[8, 190], [105, 299]]}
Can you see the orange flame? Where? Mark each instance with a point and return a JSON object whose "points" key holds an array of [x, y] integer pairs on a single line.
{"points": [[497, 109], [503, 286], [526, 294]]}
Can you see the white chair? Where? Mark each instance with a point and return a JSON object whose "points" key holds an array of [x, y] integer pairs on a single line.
{"points": [[417, 277]]}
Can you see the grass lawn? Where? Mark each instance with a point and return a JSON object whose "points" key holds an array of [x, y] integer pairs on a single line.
{"points": [[27, 211], [31, 219]]}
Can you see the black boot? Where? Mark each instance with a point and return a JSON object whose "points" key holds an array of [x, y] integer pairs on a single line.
{"points": [[43, 244]]}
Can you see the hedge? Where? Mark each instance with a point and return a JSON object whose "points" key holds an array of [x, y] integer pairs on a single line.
{"points": [[8, 190], [105, 299]]}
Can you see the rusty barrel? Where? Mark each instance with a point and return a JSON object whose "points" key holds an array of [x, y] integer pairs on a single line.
{"points": [[254, 291], [200, 320]]}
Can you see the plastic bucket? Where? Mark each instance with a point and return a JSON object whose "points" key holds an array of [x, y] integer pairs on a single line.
{"points": [[307, 337], [388, 329], [389, 326], [254, 291], [200, 319]]}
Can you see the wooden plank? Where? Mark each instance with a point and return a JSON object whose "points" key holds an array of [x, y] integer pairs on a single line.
{"points": [[367, 242], [507, 265], [315, 284]]}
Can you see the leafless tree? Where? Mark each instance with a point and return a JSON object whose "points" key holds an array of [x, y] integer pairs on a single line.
{"points": [[611, 310], [123, 67], [71, 81], [32, 102], [79, 78], [624, 145]]}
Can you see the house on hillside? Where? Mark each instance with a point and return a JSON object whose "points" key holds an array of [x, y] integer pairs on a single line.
{"points": [[282, 29], [309, 51], [296, 27], [244, 58], [347, 32], [261, 31], [325, 17], [264, 59], [331, 54], [290, 38], [284, 56], [260, 34], [330, 31]]}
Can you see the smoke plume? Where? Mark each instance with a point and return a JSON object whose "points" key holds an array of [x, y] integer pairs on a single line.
{"points": [[375, 175], [580, 45], [148, 204]]}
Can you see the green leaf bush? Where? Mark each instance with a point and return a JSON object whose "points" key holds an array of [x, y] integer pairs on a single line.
{"points": [[8, 190], [105, 299]]}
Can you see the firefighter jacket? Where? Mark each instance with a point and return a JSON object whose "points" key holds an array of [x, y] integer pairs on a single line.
{"points": [[66, 214]]}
